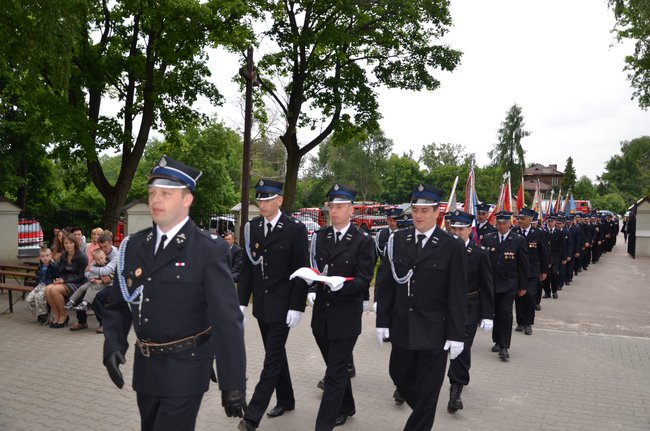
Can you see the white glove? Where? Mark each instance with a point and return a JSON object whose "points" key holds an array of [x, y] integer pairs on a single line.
{"points": [[311, 297], [293, 318], [365, 305], [243, 313], [486, 324], [337, 287], [382, 333], [374, 307], [455, 348]]}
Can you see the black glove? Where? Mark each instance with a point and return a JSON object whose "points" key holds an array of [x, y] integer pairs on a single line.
{"points": [[234, 403], [112, 364]]}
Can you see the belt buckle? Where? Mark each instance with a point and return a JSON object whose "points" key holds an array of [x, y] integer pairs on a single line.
{"points": [[144, 349]]}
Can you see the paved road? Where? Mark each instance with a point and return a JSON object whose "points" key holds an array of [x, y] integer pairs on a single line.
{"points": [[584, 368]]}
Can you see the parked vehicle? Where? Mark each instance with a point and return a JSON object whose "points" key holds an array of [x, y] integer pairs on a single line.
{"points": [[219, 225], [30, 237]]}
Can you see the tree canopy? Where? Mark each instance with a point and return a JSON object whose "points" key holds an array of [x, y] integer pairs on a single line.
{"points": [[508, 152]]}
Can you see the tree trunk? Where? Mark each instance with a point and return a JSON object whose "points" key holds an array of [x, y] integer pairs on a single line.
{"points": [[114, 203], [291, 179]]}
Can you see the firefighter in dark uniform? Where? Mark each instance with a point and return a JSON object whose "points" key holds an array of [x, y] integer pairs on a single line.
{"points": [[509, 259], [568, 248], [538, 291], [587, 238], [576, 237], [484, 226], [598, 238], [538, 257], [557, 248], [422, 305], [276, 245], [173, 284], [480, 305], [339, 250], [381, 239]]}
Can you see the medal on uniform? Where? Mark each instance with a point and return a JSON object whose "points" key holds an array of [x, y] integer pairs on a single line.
{"points": [[257, 245], [129, 282], [138, 272]]}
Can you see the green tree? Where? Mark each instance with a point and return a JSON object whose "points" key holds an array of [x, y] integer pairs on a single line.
{"points": [[508, 153], [148, 59], [436, 155], [629, 172], [329, 56], [400, 175], [569, 179], [584, 189], [488, 183], [612, 201], [633, 23]]}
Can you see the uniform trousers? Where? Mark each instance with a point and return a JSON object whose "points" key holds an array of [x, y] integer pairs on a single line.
{"points": [[569, 270], [525, 305], [502, 330], [337, 396], [418, 375], [586, 258], [168, 413], [552, 281], [459, 368], [275, 374]]}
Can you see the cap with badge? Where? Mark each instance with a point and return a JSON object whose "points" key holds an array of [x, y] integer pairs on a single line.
{"points": [[504, 215], [267, 189], [405, 220], [425, 195], [483, 207], [552, 216], [560, 217], [393, 212], [526, 212], [341, 194], [461, 219], [172, 174]]}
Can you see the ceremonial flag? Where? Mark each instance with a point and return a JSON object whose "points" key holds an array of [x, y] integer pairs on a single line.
{"points": [[520, 197], [451, 203], [558, 202], [508, 196], [550, 205], [471, 201], [572, 205], [540, 213]]}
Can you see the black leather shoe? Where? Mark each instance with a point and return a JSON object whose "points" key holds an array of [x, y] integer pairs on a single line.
{"points": [[546, 296], [554, 295], [343, 418], [567, 283], [503, 354], [528, 330], [279, 410], [321, 384], [352, 370], [496, 348], [245, 425], [538, 307], [455, 403], [519, 328], [399, 399]]}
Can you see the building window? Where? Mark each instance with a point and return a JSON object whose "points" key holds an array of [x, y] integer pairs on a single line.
{"points": [[555, 181]]}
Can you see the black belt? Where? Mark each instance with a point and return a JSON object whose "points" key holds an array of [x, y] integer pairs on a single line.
{"points": [[153, 349], [473, 295]]}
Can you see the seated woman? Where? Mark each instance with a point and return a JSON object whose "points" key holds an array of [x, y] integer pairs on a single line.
{"points": [[57, 245], [71, 275]]}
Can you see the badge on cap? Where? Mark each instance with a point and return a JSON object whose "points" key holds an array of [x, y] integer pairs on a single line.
{"points": [[138, 272], [336, 187], [261, 182], [162, 163], [456, 213], [420, 187]]}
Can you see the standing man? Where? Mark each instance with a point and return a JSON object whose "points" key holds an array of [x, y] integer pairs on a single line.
{"points": [[381, 239], [341, 250], [509, 259], [173, 284], [484, 227], [568, 248], [573, 267], [538, 257], [480, 305], [235, 255], [557, 249], [423, 299], [276, 246]]}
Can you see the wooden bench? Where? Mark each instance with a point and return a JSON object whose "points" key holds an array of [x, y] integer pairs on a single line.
{"points": [[17, 267], [26, 286]]}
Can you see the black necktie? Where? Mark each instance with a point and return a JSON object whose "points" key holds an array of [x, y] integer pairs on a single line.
{"points": [[338, 237], [503, 238], [269, 227], [421, 238], [161, 246]]}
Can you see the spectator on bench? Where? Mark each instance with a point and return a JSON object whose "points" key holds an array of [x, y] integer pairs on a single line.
{"points": [[94, 245], [105, 273], [81, 239], [57, 245], [87, 291], [71, 275], [47, 271], [55, 234]]}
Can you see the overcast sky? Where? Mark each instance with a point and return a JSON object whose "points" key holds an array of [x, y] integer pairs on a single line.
{"points": [[557, 59]]}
